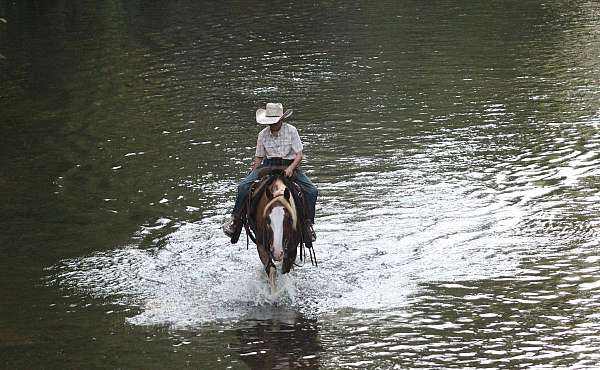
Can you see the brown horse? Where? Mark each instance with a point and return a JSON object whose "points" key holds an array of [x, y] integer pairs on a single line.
{"points": [[276, 221]]}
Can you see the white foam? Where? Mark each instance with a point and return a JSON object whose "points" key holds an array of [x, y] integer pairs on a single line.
{"points": [[365, 262]]}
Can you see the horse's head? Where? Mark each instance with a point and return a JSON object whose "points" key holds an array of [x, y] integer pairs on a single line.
{"points": [[280, 218]]}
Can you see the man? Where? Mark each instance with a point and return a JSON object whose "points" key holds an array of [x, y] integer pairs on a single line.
{"points": [[277, 145]]}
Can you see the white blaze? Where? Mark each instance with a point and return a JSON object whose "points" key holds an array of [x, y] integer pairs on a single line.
{"points": [[276, 216]]}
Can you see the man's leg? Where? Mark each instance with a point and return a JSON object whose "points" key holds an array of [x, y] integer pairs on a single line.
{"points": [[310, 195], [231, 226], [243, 189]]}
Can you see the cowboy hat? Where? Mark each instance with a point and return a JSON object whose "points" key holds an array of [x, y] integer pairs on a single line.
{"points": [[273, 114]]}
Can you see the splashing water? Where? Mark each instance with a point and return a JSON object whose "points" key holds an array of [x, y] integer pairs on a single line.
{"points": [[198, 277]]}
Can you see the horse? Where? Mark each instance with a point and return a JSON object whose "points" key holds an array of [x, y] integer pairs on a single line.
{"points": [[275, 222]]}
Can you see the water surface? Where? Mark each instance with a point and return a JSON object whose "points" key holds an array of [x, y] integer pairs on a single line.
{"points": [[454, 145]]}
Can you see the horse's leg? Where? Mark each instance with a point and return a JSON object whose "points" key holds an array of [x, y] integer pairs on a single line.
{"points": [[265, 258], [272, 279], [289, 259], [270, 269]]}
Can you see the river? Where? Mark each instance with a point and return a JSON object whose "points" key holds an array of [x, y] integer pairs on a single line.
{"points": [[455, 146]]}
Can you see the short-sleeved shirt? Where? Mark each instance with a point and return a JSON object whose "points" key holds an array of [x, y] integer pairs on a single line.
{"points": [[285, 145]]}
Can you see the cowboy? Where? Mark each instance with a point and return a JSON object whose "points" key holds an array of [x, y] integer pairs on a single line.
{"points": [[278, 145]]}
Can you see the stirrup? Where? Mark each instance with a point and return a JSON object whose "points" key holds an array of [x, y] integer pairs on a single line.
{"points": [[236, 234]]}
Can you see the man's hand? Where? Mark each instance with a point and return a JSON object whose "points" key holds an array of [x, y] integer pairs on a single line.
{"points": [[289, 171], [257, 161]]}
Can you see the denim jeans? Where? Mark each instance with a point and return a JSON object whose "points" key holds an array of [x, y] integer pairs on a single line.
{"points": [[308, 189]]}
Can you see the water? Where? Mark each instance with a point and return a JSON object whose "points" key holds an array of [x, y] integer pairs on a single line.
{"points": [[454, 145]]}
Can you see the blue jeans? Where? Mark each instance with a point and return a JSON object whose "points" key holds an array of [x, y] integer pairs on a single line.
{"points": [[308, 189]]}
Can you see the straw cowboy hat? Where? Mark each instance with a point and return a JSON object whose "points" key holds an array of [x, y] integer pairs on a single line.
{"points": [[273, 114]]}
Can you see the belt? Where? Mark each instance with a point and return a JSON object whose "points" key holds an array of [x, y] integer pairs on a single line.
{"points": [[276, 162]]}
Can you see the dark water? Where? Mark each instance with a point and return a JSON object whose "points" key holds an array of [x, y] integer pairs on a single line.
{"points": [[454, 144]]}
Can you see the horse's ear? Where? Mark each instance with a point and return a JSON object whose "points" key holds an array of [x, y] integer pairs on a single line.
{"points": [[269, 192], [286, 194]]}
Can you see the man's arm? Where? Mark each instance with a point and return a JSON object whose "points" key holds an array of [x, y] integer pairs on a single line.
{"points": [[289, 171], [259, 153]]}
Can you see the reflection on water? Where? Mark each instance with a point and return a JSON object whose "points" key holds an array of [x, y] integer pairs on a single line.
{"points": [[455, 147], [272, 338]]}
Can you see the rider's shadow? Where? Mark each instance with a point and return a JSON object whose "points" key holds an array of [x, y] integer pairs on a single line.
{"points": [[279, 338]]}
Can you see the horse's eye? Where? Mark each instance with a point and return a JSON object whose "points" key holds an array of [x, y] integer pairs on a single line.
{"points": [[268, 220]]}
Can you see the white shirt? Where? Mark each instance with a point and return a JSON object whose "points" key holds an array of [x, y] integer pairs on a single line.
{"points": [[285, 145]]}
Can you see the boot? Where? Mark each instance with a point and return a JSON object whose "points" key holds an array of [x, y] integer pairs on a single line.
{"points": [[232, 228]]}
